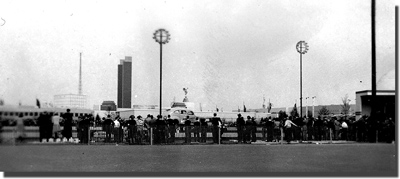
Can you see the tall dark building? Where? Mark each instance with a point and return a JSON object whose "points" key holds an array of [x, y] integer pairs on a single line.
{"points": [[125, 83]]}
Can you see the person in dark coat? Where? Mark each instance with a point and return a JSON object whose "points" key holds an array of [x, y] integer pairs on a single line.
{"points": [[389, 130], [41, 123], [310, 129], [331, 128], [263, 124], [171, 129], [318, 125], [253, 129], [249, 127], [270, 129], [188, 133], [79, 128], [68, 122], [297, 130], [108, 126], [49, 126], [240, 125], [196, 130], [361, 129], [131, 125], [203, 128], [216, 121], [161, 124]]}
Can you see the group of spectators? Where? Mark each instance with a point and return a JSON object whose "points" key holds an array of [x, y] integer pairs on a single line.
{"points": [[49, 126], [162, 130], [366, 129]]}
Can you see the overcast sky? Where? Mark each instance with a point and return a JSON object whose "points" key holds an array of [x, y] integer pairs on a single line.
{"points": [[225, 51]]}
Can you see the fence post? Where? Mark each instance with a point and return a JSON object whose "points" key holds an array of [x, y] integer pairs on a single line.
{"points": [[151, 135], [219, 135], [356, 135], [376, 136], [89, 134], [330, 135], [281, 135]]}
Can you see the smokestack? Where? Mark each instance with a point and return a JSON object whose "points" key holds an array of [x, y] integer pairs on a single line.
{"points": [[80, 73]]}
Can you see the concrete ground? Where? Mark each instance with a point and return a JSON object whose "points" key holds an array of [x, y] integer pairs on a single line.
{"points": [[331, 159]]}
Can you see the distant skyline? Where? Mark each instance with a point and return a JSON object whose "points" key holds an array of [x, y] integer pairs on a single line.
{"points": [[226, 52]]}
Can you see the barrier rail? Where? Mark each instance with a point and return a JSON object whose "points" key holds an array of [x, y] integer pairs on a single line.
{"points": [[98, 135]]}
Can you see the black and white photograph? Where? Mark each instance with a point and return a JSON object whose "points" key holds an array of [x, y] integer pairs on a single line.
{"points": [[199, 88]]}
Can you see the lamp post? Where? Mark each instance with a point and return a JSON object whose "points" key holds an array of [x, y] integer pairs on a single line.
{"points": [[302, 48], [307, 106], [162, 37], [313, 105]]}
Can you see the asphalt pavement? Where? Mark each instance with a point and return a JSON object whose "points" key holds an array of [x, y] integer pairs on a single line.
{"points": [[332, 159]]}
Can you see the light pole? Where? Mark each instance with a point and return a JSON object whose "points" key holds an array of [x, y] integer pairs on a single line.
{"points": [[162, 37], [307, 106], [313, 105], [302, 48]]}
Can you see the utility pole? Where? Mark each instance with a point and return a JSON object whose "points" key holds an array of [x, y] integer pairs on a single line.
{"points": [[373, 55]]}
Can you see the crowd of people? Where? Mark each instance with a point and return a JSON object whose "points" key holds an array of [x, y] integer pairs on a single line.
{"points": [[366, 129], [162, 130]]}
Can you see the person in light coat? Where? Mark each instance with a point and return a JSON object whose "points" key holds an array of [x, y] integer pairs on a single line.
{"points": [[289, 129]]}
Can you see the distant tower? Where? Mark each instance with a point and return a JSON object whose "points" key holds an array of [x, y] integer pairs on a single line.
{"points": [[124, 88], [80, 73]]}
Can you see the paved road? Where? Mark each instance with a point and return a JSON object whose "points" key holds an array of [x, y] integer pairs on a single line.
{"points": [[332, 158]]}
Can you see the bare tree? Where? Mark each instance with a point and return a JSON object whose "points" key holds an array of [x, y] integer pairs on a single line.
{"points": [[282, 114], [294, 112], [345, 105], [324, 111]]}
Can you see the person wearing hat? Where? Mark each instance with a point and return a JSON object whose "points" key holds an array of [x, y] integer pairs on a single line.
{"points": [[67, 131], [140, 128], [188, 130], [116, 125], [249, 127], [131, 125], [240, 128], [253, 129], [203, 130], [158, 130], [196, 130], [171, 129], [216, 121], [270, 129], [108, 128]]}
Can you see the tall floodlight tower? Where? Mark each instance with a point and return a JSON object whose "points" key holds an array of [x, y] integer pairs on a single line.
{"points": [[162, 37], [302, 48]]}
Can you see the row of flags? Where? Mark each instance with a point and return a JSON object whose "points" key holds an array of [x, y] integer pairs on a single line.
{"points": [[268, 108]]}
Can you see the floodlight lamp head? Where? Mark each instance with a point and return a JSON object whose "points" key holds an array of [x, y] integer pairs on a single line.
{"points": [[302, 47], [161, 36]]}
